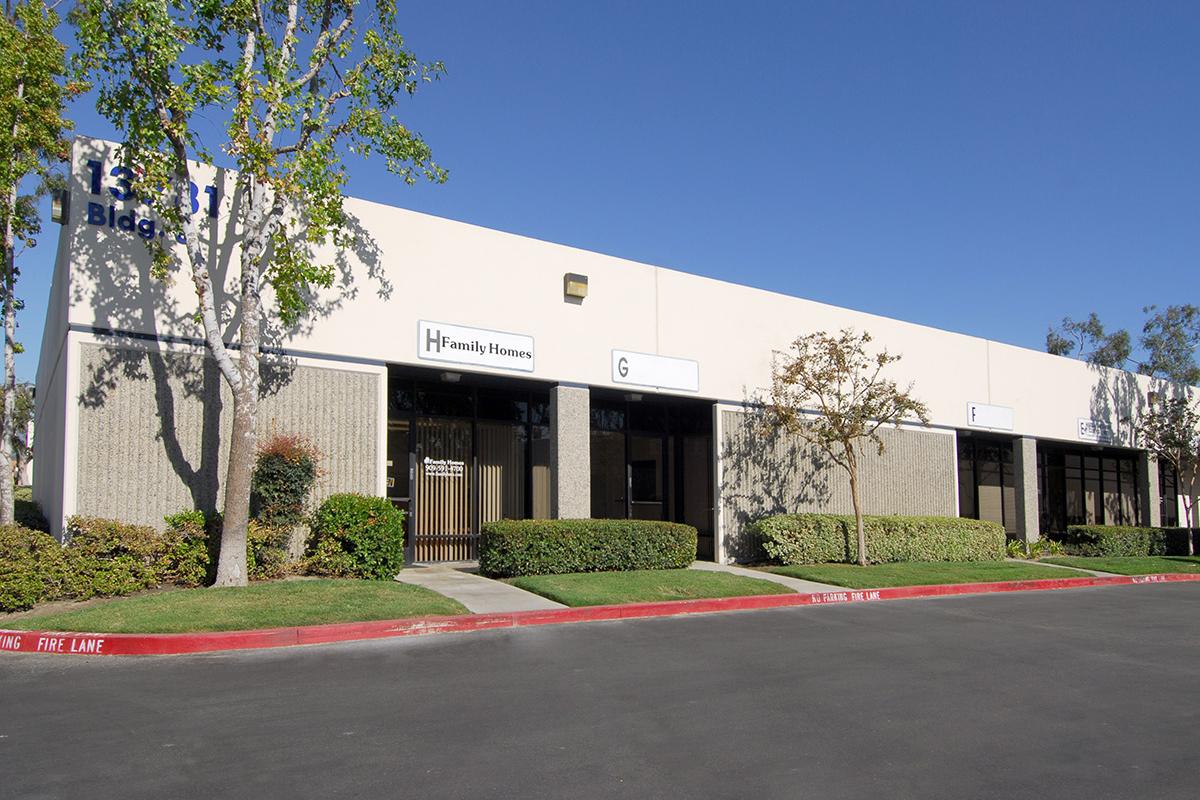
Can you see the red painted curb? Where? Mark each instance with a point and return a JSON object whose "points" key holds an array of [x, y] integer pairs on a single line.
{"points": [[129, 644]]}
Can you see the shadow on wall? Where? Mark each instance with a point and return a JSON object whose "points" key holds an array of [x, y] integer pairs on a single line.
{"points": [[766, 471], [112, 282], [1118, 399]]}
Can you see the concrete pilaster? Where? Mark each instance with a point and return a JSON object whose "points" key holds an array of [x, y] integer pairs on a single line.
{"points": [[570, 452], [1026, 487], [1147, 485]]}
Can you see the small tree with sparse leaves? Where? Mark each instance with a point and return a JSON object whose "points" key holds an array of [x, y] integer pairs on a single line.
{"points": [[1170, 431], [830, 391]]}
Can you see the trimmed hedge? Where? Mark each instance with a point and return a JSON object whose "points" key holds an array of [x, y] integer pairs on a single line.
{"points": [[33, 568], [509, 548], [354, 535], [108, 558], [1122, 540], [191, 554], [821, 538]]}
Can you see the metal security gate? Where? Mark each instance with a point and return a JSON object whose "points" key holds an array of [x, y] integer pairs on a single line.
{"points": [[444, 473], [460, 456]]}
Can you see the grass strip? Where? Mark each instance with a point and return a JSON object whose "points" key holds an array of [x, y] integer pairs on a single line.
{"points": [[642, 586], [1130, 565], [920, 573], [276, 604]]}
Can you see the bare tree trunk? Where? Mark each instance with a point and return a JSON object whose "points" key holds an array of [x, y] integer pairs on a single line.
{"points": [[1189, 502], [7, 476], [7, 429], [243, 444], [858, 515], [231, 565]]}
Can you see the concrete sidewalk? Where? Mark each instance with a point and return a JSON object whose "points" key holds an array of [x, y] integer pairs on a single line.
{"points": [[480, 595], [799, 585]]}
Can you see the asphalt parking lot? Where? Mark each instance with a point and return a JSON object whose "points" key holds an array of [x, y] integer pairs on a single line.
{"points": [[1073, 694]]}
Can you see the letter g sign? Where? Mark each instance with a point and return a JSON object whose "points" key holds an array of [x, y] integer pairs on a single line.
{"points": [[623, 366]]}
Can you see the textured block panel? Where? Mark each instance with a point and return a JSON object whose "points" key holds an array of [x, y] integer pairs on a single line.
{"points": [[570, 452], [1026, 486], [765, 472], [149, 424]]}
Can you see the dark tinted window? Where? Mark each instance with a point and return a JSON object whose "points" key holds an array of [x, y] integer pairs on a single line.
{"points": [[608, 416], [647, 417], [444, 402], [504, 406]]}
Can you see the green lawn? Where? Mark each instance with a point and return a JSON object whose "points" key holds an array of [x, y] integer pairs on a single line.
{"points": [[920, 573], [1131, 565], [262, 605], [641, 586]]}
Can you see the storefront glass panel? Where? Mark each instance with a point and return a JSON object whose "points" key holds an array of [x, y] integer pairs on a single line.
{"points": [[652, 459], [462, 455], [1096, 486]]}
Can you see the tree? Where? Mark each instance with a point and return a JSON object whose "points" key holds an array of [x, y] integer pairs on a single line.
{"points": [[1168, 341], [299, 83], [33, 93], [1170, 430], [832, 393], [23, 408]]}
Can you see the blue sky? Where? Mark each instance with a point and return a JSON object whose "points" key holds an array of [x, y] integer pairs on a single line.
{"points": [[980, 167]]}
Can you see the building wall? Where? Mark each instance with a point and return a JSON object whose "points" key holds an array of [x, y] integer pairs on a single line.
{"points": [[408, 267], [766, 472], [50, 407], [146, 447]]}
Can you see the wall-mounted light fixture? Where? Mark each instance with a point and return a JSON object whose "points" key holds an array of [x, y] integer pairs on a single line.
{"points": [[451, 377], [575, 286], [60, 206]]}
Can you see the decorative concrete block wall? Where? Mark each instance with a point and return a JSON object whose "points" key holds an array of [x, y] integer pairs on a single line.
{"points": [[570, 452], [147, 444], [767, 472]]}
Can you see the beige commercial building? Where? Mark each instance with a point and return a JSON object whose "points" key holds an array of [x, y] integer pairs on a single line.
{"points": [[470, 375]]}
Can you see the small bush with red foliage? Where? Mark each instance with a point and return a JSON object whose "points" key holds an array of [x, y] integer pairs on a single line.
{"points": [[284, 474]]}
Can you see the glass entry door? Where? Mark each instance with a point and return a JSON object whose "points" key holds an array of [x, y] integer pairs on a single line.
{"points": [[647, 472], [443, 482], [652, 460]]}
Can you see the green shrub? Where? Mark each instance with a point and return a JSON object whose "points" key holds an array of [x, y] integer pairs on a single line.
{"points": [[1018, 548], [369, 532], [266, 551], [27, 512], [328, 559], [1122, 540], [32, 568], [108, 558], [821, 538], [509, 548], [189, 557], [284, 473]]}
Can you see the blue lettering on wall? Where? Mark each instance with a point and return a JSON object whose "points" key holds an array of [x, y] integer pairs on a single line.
{"points": [[128, 220]]}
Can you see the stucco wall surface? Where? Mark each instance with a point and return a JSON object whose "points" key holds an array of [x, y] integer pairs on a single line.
{"points": [[768, 472], [146, 447], [407, 267]]}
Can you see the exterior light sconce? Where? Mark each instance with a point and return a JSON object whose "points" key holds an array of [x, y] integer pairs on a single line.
{"points": [[574, 287], [451, 377], [60, 206]]}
